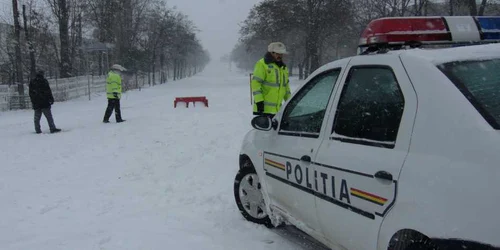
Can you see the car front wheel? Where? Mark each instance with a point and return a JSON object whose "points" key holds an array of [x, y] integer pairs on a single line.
{"points": [[249, 197], [426, 245]]}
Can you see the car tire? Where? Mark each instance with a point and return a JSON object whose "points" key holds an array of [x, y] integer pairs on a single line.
{"points": [[249, 197], [420, 246]]}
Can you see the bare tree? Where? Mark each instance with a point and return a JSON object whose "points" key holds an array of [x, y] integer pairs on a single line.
{"points": [[19, 59], [310, 22], [30, 44], [482, 7], [61, 10], [148, 35], [44, 43], [420, 7], [469, 7], [472, 7]]}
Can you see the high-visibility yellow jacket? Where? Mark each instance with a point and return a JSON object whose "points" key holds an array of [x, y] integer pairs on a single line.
{"points": [[113, 85], [270, 84]]}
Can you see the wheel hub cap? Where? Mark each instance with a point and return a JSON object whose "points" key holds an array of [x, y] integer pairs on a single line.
{"points": [[251, 196]]}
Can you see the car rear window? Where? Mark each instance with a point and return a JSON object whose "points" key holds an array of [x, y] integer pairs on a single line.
{"points": [[479, 81]]}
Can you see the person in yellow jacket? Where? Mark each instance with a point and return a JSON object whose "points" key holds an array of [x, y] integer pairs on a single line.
{"points": [[114, 93], [270, 83]]}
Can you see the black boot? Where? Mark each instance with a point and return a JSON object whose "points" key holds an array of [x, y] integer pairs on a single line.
{"points": [[55, 130]]}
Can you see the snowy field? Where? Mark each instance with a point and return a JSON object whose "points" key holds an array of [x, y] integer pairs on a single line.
{"points": [[161, 180]]}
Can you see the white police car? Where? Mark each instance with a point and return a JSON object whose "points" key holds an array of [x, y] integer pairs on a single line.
{"points": [[396, 148]]}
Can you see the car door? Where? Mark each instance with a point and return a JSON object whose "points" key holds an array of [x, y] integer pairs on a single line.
{"points": [[290, 150], [360, 161]]}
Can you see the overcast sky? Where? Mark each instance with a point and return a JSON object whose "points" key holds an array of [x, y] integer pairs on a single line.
{"points": [[217, 20]]}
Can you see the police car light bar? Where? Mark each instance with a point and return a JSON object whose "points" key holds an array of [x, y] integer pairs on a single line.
{"points": [[431, 30]]}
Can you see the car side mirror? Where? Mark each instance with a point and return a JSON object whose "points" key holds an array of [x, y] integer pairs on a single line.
{"points": [[264, 123]]}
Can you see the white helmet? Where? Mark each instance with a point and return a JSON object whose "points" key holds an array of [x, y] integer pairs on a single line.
{"points": [[118, 67], [277, 47]]}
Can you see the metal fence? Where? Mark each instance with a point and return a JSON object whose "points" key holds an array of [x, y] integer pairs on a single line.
{"points": [[18, 102], [69, 88]]}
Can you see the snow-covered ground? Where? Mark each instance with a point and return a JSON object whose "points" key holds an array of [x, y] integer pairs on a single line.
{"points": [[161, 180]]}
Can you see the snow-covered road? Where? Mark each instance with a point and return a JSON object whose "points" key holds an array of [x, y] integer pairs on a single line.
{"points": [[161, 180]]}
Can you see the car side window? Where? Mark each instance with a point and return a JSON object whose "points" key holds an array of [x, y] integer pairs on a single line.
{"points": [[370, 108], [304, 114]]}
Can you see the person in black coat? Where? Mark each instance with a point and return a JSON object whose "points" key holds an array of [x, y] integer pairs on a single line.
{"points": [[42, 100]]}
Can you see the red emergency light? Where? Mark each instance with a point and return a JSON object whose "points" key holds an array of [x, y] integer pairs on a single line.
{"points": [[397, 31], [405, 30]]}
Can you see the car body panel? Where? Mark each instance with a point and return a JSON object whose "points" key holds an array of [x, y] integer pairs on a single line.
{"points": [[444, 164]]}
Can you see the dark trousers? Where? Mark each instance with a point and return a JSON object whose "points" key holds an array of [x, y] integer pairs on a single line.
{"points": [[48, 114], [113, 104]]}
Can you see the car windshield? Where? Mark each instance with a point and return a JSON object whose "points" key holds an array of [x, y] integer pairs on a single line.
{"points": [[479, 81]]}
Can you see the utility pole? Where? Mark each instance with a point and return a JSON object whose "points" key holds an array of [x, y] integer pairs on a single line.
{"points": [[18, 60]]}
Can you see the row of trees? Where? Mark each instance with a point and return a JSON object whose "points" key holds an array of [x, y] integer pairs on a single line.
{"points": [[77, 37], [318, 31]]}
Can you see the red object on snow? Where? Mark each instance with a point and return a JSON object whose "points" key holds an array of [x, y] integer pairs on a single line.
{"points": [[192, 99]]}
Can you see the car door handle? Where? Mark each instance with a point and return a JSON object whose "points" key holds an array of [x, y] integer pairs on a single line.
{"points": [[306, 158], [384, 175]]}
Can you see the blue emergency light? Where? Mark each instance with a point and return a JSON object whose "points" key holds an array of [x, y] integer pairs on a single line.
{"points": [[433, 30], [490, 27]]}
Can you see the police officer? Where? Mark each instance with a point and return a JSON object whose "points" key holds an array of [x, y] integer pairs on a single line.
{"points": [[114, 93], [42, 100], [270, 84]]}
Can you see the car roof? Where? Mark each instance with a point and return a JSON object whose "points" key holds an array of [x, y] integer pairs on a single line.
{"points": [[445, 55], [435, 56]]}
